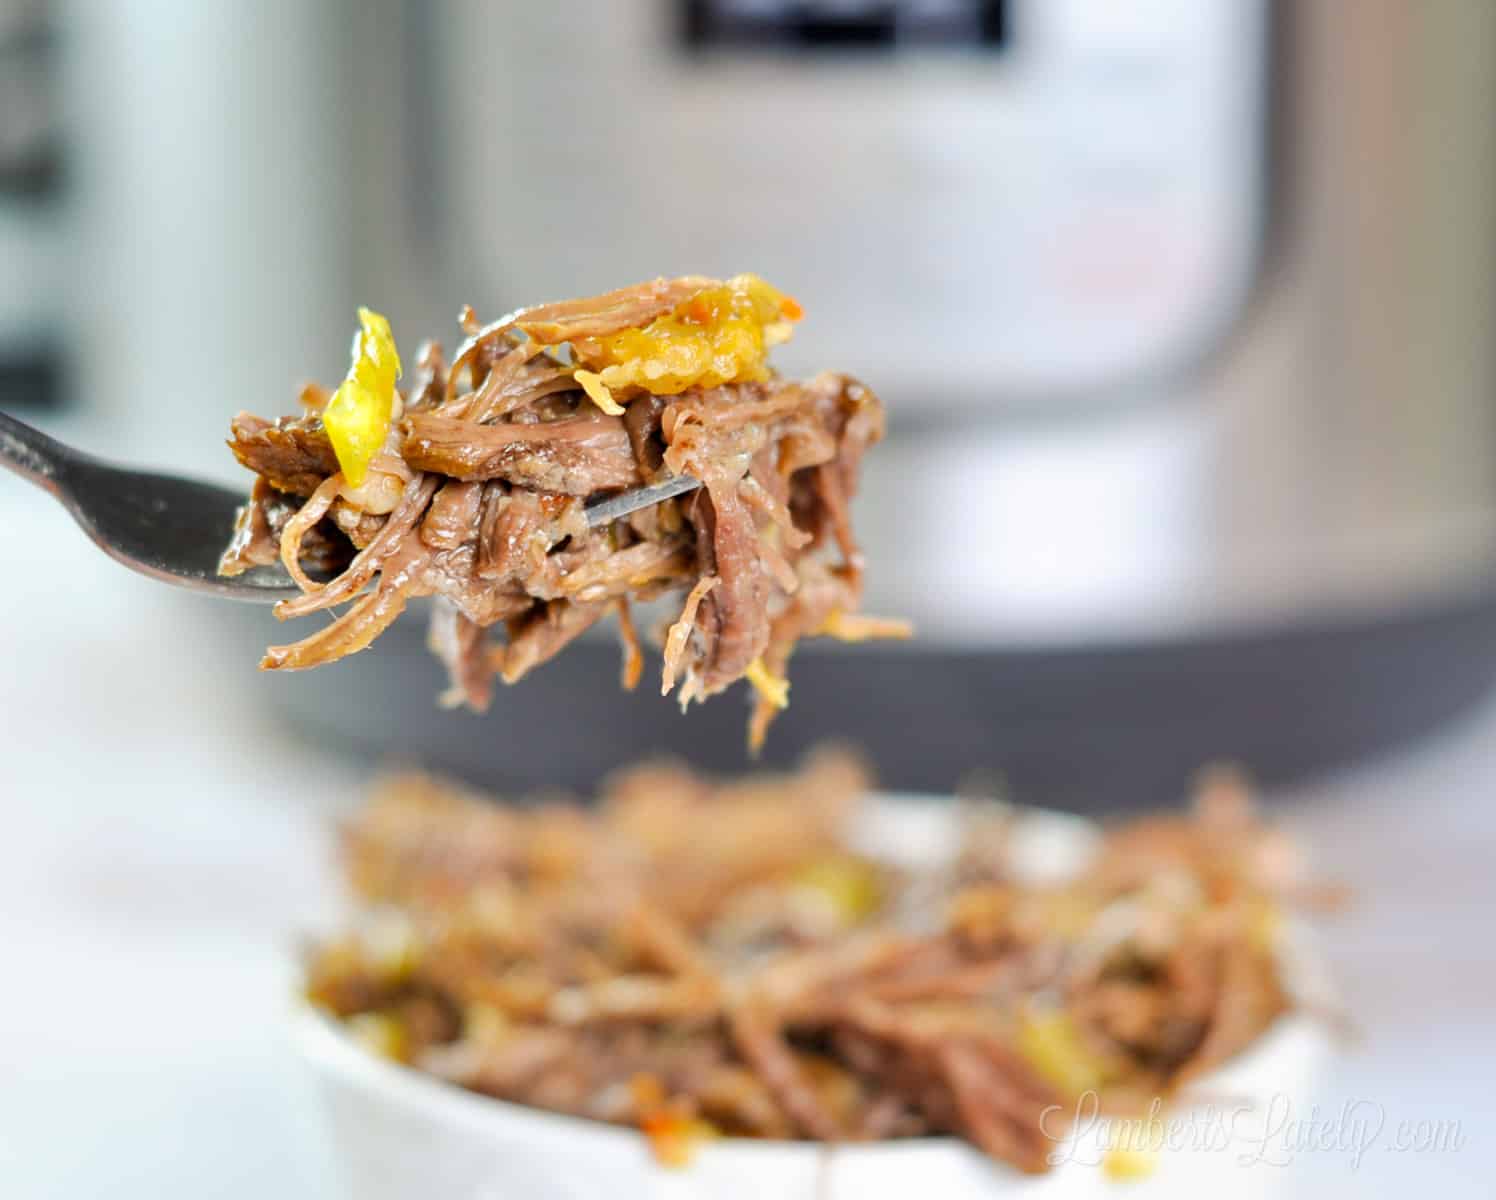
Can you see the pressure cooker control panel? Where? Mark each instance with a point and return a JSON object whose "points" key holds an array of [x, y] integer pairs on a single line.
{"points": [[843, 24], [978, 203]]}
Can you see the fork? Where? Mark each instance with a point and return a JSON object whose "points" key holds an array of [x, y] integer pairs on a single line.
{"points": [[174, 529]]}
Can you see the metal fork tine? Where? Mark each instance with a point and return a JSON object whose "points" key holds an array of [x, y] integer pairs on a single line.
{"points": [[600, 512]]}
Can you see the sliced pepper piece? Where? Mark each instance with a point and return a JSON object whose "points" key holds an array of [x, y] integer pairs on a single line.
{"points": [[357, 418]]}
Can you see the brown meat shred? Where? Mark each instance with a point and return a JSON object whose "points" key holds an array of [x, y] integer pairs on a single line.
{"points": [[694, 957], [477, 497], [578, 456], [292, 454], [257, 534]]}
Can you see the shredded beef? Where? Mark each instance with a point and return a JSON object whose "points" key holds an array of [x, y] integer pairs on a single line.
{"points": [[257, 534], [477, 496], [695, 956], [292, 454], [579, 456]]}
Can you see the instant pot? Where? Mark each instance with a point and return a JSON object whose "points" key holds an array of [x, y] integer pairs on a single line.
{"points": [[1181, 310]]}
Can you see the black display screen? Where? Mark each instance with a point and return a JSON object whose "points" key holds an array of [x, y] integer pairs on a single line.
{"points": [[814, 25]]}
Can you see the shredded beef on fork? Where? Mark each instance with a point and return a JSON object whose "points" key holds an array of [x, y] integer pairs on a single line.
{"points": [[475, 497]]}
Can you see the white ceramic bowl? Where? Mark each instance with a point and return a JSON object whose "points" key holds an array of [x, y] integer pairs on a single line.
{"points": [[401, 1135]]}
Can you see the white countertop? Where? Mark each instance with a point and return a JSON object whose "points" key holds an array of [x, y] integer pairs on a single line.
{"points": [[165, 840]]}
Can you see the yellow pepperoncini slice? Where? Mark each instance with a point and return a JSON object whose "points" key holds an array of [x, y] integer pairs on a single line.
{"points": [[357, 418], [674, 1138], [1124, 1164], [673, 1131], [597, 390], [720, 335], [856, 627], [1050, 1043], [381, 1033], [850, 887], [773, 688], [1264, 926]]}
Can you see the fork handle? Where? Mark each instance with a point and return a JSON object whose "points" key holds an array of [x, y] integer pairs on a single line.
{"points": [[31, 454]]}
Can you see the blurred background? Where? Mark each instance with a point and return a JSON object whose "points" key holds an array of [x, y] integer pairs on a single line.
{"points": [[1182, 310]]}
